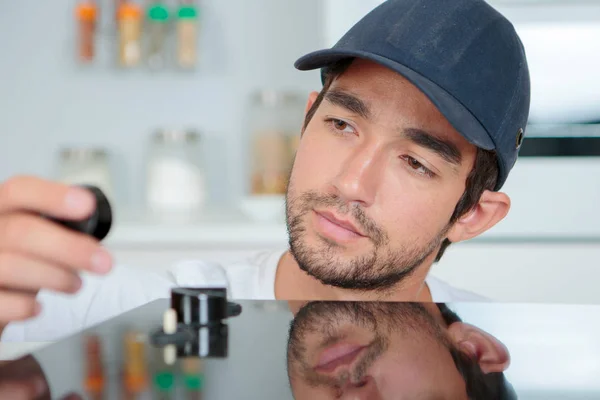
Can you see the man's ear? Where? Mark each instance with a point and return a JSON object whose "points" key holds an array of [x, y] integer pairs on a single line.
{"points": [[491, 209], [312, 97], [296, 305], [489, 352]]}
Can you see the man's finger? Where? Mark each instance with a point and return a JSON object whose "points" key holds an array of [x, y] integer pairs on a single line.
{"points": [[28, 274], [25, 389], [26, 193], [39, 238], [17, 306]]}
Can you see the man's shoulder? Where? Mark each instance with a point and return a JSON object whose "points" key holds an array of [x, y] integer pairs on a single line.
{"points": [[442, 292], [248, 278], [192, 271]]}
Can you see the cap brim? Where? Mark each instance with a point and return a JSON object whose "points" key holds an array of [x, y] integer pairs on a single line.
{"points": [[457, 114]]}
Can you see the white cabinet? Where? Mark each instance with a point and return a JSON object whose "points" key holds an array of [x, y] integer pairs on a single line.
{"points": [[525, 272]]}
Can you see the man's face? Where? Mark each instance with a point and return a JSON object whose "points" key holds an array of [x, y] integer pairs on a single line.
{"points": [[377, 176], [351, 350]]}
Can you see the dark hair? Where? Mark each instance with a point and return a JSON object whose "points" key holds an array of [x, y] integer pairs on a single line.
{"points": [[492, 386], [482, 177]]}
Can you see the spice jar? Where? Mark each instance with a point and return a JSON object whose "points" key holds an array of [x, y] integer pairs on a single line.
{"points": [[86, 166], [157, 30], [118, 4], [175, 177], [187, 35], [86, 13], [276, 119], [130, 34]]}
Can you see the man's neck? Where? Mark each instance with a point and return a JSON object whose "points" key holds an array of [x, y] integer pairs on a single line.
{"points": [[292, 283]]}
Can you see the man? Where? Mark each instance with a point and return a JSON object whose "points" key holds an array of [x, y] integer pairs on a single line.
{"points": [[387, 350], [403, 152]]}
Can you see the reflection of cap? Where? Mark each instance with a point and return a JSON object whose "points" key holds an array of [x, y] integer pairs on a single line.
{"points": [[464, 55]]}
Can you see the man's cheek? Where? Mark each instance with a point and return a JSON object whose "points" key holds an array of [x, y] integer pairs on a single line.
{"points": [[411, 216], [312, 165]]}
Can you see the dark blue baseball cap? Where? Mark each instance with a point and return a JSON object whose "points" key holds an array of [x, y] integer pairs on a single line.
{"points": [[462, 54]]}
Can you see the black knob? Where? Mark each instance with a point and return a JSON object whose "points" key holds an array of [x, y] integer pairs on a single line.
{"points": [[199, 307], [234, 309], [99, 223], [207, 342]]}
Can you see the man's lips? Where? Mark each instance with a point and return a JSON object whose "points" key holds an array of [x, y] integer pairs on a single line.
{"points": [[342, 354], [339, 222]]}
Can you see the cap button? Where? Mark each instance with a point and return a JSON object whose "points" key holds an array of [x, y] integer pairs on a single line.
{"points": [[519, 138]]}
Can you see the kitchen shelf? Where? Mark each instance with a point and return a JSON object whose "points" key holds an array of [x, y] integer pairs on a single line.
{"points": [[214, 227], [211, 234]]}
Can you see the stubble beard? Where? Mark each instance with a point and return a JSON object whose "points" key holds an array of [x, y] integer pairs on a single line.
{"points": [[324, 319], [379, 270]]}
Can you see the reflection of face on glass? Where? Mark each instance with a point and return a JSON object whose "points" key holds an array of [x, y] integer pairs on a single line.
{"points": [[351, 350]]}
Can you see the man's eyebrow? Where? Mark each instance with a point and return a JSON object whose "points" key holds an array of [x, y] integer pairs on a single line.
{"points": [[348, 101], [444, 148]]}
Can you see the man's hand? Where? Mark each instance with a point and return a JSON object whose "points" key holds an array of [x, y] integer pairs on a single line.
{"points": [[24, 389], [36, 253], [23, 379]]}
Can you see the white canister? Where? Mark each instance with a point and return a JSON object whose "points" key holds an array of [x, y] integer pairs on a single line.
{"points": [[175, 177]]}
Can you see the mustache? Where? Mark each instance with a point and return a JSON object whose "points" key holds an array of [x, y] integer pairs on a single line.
{"points": [[356, 374], [310, 200]]}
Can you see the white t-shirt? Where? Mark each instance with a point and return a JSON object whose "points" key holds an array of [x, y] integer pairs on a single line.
{"points": [[125, 288]]}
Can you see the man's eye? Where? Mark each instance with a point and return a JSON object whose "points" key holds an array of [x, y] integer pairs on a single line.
{"points": [[414, 164], [339, 126]]}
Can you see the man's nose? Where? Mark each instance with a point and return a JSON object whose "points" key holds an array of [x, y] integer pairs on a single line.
{"points": [[359, 176], [366, 389]]}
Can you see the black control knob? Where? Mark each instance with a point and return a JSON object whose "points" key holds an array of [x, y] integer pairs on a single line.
{"points": [[195, 323], [199, 307], [99, 223], [206, 342]]}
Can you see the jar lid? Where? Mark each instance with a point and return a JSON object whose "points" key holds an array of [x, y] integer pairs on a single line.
{"points": [[130, 10], [158, 13], [271, 97], [176, 136], [86, 11], [188, 12]]}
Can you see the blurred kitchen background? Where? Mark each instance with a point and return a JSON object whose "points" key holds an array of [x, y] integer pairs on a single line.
{"points": [[187, 114]]}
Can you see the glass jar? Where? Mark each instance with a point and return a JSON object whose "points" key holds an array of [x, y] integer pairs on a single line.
{"points": [[86, 13], [86, 166], [130, 34], [117, 8], [175, 176], [156, 35], [187, 36], [276, 122]]}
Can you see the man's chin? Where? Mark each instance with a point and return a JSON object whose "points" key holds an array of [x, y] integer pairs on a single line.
{"points": [[327, 278], [335, 269], [330, 274]]}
